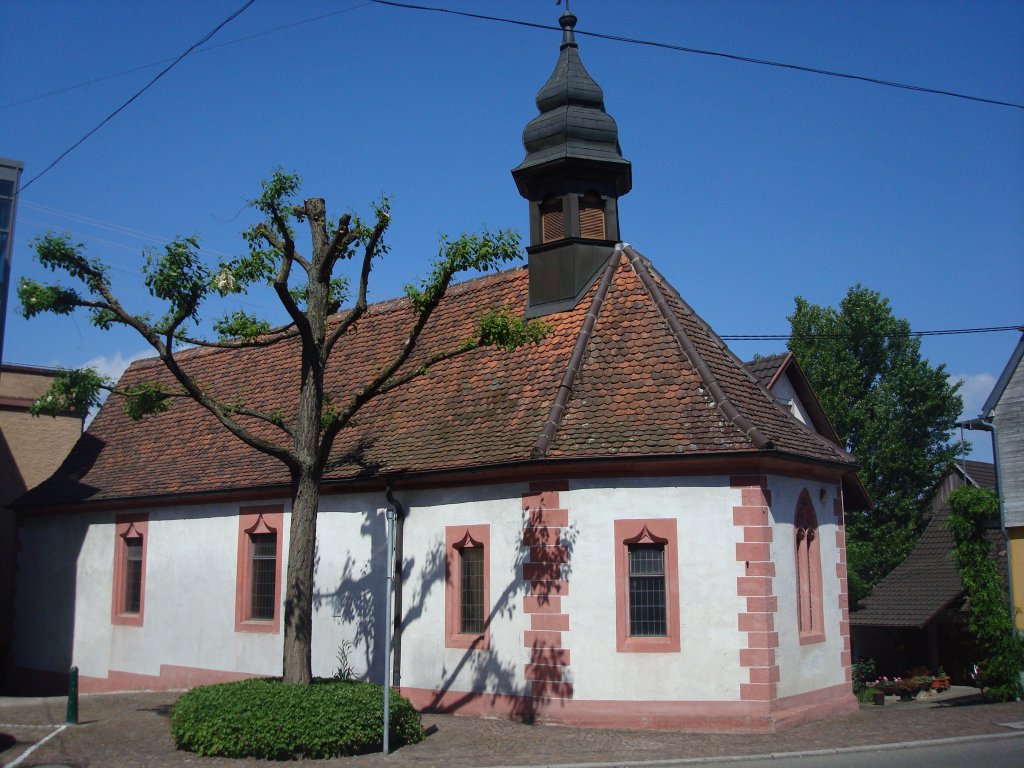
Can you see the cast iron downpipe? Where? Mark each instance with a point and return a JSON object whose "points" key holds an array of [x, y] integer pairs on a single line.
{"points": [[396, 638]]}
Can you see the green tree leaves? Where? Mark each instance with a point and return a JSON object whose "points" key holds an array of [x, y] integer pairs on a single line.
{"points": [[502, 329], [972, 511], [893, 411], [469, 252], [72, 390], [303, 436]]}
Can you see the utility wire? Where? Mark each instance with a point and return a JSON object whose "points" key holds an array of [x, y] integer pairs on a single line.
{"points": [[207, 49], [719, 54], [138, 93], [788, 336]]}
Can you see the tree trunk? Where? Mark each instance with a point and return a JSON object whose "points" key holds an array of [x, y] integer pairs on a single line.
{"points": [[297, 664]]}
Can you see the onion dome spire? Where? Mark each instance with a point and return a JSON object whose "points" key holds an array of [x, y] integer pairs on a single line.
{"points": [[573, 175], [572, 124]]}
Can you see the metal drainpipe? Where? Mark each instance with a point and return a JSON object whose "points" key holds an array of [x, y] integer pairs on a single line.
{"points": [[396, 637], [985, 425]]}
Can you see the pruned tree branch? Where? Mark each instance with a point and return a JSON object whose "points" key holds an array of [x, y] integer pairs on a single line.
{"points": [[353, 315], [275, 336], [288, 246]]}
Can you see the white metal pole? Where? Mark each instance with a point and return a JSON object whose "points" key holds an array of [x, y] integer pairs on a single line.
{"points": [[389, 515]]}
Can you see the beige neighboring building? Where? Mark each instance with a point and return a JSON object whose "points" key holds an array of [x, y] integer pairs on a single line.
{"points": [[31, 449]]}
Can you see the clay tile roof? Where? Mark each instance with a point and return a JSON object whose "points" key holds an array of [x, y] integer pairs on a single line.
{"points": [[980, 473], [765, 369], [643, 376]]}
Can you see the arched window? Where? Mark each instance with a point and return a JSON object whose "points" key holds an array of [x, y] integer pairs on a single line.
{"points": [[592, 216], [808, 572], [552, 219]]}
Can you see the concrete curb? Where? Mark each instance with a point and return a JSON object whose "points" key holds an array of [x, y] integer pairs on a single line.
{"points": [[670, 762]]}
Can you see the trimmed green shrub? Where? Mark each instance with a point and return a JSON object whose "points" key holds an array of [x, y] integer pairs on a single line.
{"points": [[269, 719], [863, 672]]}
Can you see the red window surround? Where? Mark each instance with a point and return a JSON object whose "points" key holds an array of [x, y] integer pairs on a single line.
{"points": [[256, 521], [130, 531], [650, 531], [807, 549], [458, 538]]}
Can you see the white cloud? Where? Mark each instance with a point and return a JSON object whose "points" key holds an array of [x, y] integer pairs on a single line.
{"points": [[112, 367], [975, 389]]}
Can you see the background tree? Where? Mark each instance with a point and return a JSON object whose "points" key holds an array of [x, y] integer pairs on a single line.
{"points": [[891, 409], [310, 293]]}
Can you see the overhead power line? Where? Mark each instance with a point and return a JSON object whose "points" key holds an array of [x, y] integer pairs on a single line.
{"points": [[207, 49], [702, 52], [138, 93], [788, 336]]}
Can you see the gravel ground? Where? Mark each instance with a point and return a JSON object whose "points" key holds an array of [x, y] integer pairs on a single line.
{"points": [[132, 730]]}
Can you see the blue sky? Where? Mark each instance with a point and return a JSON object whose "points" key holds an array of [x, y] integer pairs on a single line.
{"points": [[750, 184]]}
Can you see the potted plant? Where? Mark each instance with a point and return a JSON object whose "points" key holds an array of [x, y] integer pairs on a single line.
{"points": [[941, 680], [888, 687]]}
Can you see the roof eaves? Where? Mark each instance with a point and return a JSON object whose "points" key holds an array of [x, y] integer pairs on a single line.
{"points": [[786, 360], [1004, 379], [700, 366], [804, 388]]}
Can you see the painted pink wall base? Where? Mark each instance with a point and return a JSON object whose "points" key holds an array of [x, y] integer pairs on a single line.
{"points": [[171, 678], [694, 716]]}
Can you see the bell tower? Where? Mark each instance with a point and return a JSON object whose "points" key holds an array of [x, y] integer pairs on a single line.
{"points": [[572, 176]]}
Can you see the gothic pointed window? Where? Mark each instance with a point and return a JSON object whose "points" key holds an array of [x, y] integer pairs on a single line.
{"points": [[467, 586], [130, 570], [646, 586], [807, 552], [258, 580]]}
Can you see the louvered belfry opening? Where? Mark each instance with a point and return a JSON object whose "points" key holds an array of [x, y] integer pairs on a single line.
{"points": [[592, 216], [572, 176], [552, 220]]}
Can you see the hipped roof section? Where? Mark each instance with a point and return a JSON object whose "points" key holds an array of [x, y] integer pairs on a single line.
{"points": [[928, 581], [644, 376]]}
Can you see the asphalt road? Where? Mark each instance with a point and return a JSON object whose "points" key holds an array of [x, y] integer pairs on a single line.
{"points": [[990, 753]]}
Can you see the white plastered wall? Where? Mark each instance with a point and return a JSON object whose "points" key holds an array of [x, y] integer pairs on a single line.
{"points": [[426, 662], [189, 608], [191, 574], [708, 604], [786, 395]]}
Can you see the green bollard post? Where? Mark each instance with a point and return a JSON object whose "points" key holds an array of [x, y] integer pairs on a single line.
{"points": [[72, 717]]}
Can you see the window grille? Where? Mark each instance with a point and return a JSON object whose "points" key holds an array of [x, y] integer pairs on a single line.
{"points": [[264, 561], [471, 601], [647, 612], [133, 574]]}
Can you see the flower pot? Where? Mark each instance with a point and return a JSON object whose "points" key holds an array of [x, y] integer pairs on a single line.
{"points": [[878, 698], [940, 684]]}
